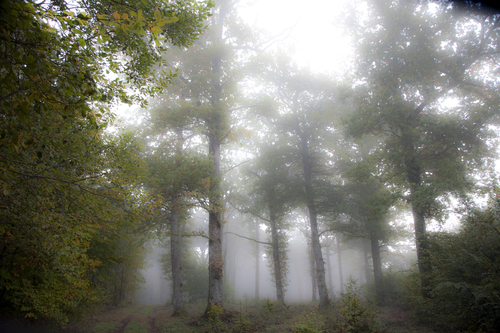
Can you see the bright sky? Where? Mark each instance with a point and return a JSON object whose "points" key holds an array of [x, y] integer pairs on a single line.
{"points": [[318, 44]]}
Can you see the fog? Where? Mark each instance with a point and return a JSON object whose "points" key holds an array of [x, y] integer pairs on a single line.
{"points": [[240, 262]]}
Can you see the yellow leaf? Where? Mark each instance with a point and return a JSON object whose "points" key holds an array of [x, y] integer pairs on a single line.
{"points": [[116, 16]]}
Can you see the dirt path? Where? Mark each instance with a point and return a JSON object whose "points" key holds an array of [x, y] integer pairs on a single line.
{"points": [[125, 321], [152, 325]]}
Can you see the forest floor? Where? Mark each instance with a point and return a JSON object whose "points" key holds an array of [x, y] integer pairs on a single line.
{"points": [[137, 318]]}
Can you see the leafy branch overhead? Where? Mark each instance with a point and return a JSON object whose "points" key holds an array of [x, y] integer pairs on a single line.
{"points": [[69, 197]]}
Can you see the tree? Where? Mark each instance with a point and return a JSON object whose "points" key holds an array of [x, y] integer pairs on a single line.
{"points": [[206, 90], [303, 111], [177, 173], [56, 205], [366, 202], [64, 180], [275, 192], [464, 282], [412, 57]]}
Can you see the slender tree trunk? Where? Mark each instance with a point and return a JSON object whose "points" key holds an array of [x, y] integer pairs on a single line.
{"points": [[324, 300], [367, 264], [339, 260], [421, 244], [314, 279], [257, 259], [215, 259], [278, 273], [233, 271], [377, 267], [329, 268], [175, 241], [175, 257], [414, 176], [215, 135], [225, 240]]}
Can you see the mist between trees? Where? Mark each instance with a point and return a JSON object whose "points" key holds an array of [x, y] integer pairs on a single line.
{"points": [[244, 176]]}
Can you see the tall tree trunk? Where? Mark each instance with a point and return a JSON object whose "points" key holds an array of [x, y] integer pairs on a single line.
{"points": [[175, 257], [329, 268], [324, 300], [233, 271], [314, 279], [215, 135], [257, 259], [421, 244], [215, 259], [175, 241], [366, 263], [377, 267], [414, 177], [278, 273], [339, 261], [225, 240]]}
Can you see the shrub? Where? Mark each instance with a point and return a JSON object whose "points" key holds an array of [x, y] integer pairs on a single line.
{"points": [[464, 284], [269, 305], [308, 324], [356, 314]]}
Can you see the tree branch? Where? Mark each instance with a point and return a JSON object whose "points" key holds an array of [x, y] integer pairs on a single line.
{"points": [[256, 241]]}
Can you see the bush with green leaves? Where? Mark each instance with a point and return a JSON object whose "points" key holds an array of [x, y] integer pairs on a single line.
{"points": [[308, 324], [355, 313], [269, 305], [391, 289], [465, 288]]}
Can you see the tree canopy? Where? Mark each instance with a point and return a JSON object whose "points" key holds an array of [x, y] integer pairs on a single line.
{"points": [[412, 58], [66, 184]]}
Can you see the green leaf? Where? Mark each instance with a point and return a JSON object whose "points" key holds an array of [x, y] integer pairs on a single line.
{"points": [[157, 14]]}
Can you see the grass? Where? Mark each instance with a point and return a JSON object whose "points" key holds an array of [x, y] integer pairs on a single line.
{"points": [[237, 318], [136, 327], [104, 327]]}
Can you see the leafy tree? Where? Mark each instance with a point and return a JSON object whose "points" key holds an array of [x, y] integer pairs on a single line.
{"points": [[194, 267], [303, 110], [274, 193], [121, 257], [366, 203], [57, 55], [65, 181], [177, 174], [412, 57], [464, 285], [57, 204], [206, 92]]}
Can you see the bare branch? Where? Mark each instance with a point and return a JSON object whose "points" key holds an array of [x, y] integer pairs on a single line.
{"points": [[256, 241]]}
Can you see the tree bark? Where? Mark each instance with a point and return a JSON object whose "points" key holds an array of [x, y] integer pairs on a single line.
{"points": [[175, 257], [175, 241], [339, 261], [215, 135], [314, 279], [278, 273], [367, 265], [414, 174], [215, 260], [329, 268], [257, 259], [324, 300], [377, 267], [421, 244]]}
